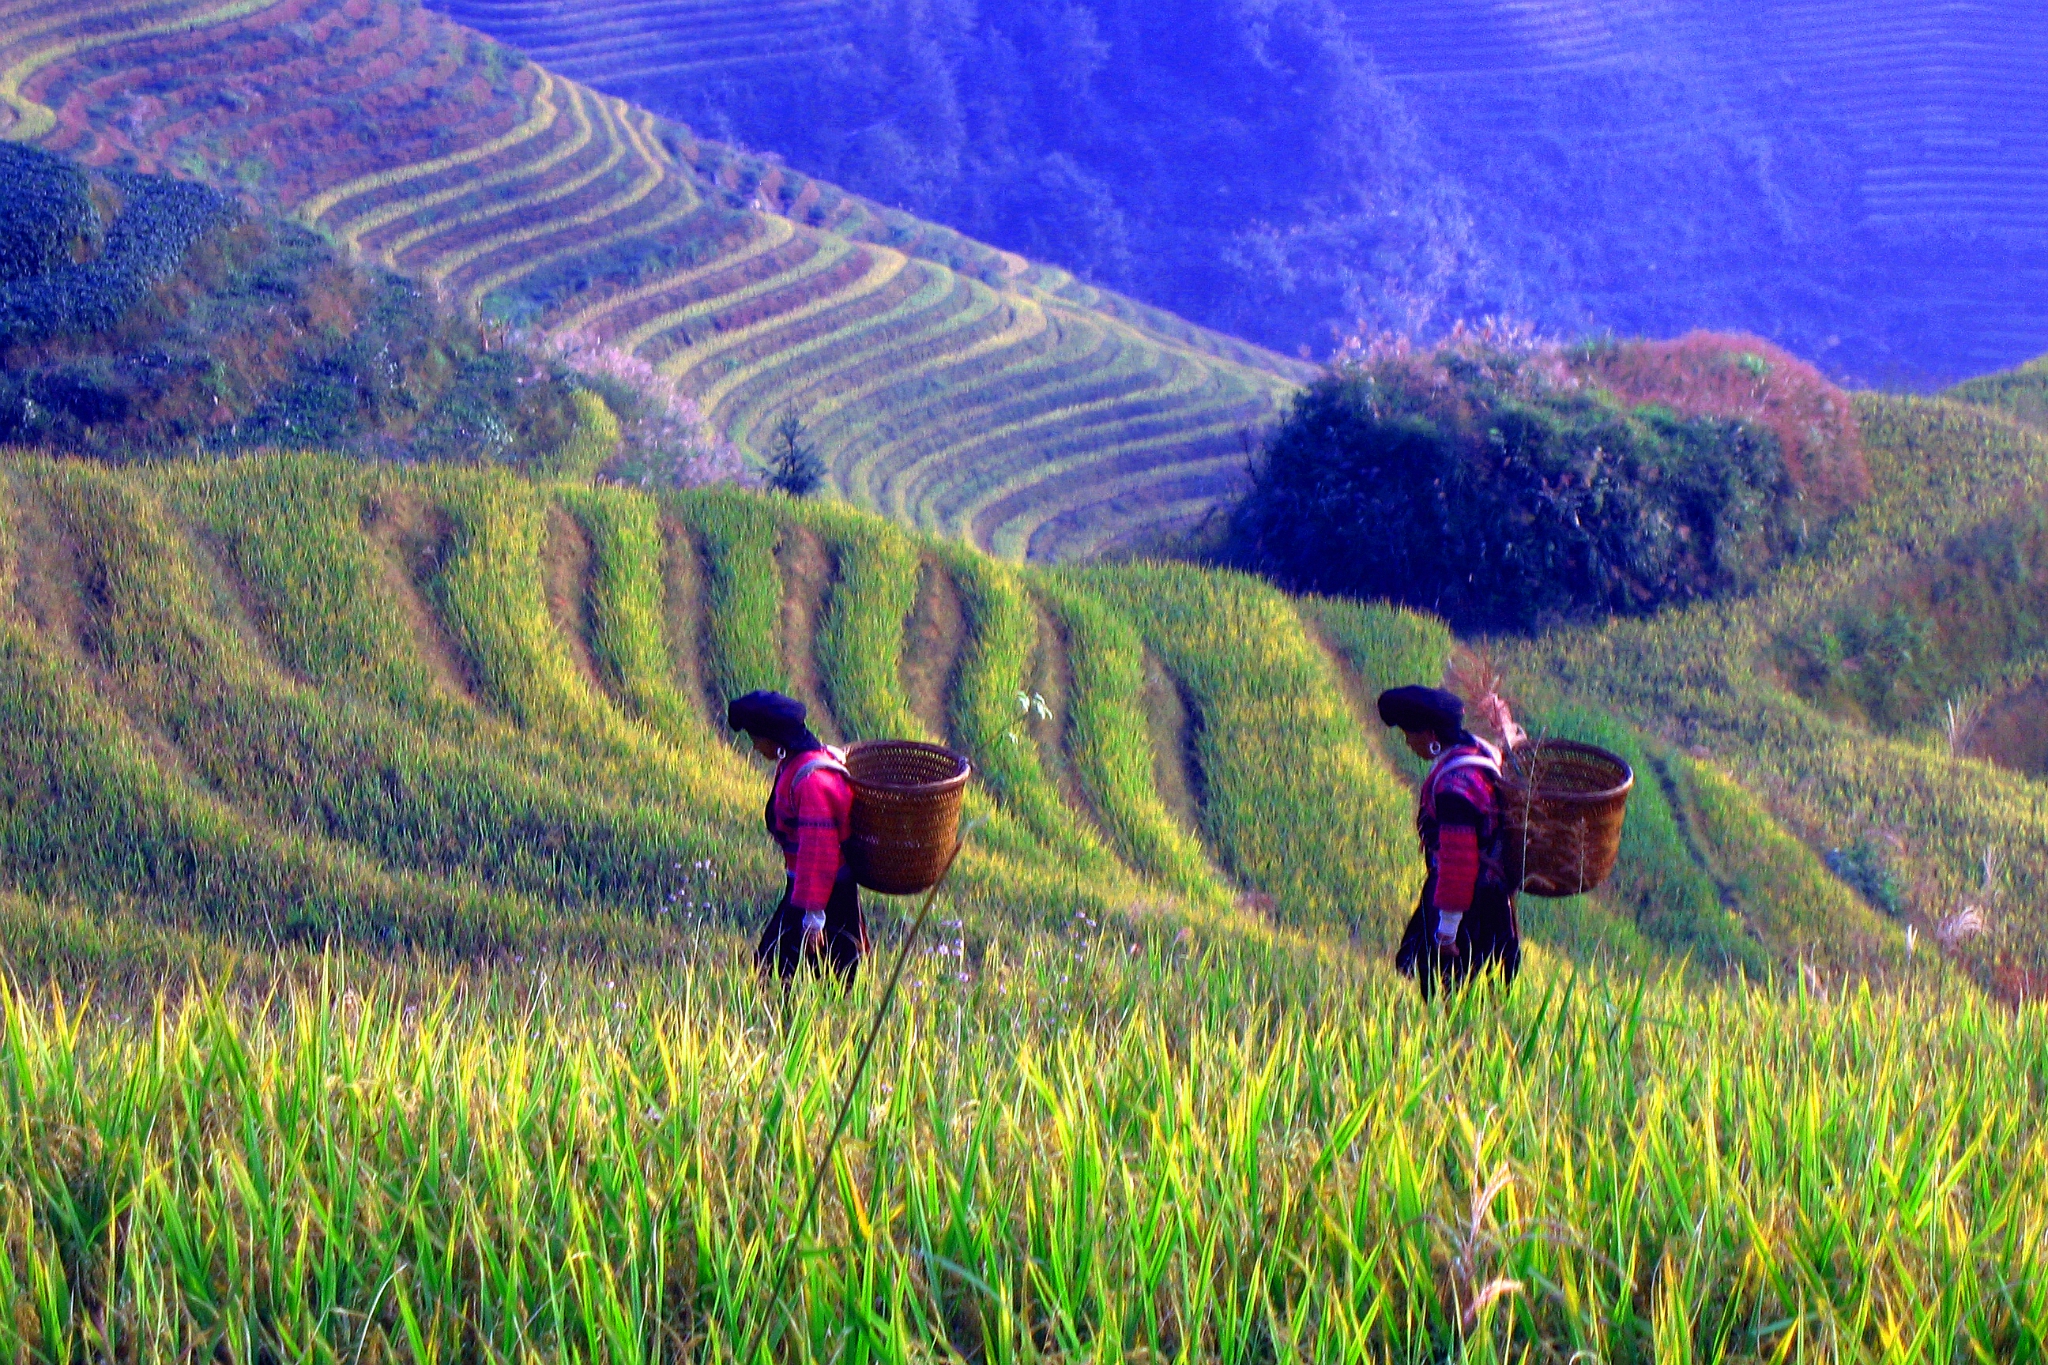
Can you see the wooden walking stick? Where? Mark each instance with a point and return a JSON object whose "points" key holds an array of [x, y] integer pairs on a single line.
{"points": [[860, 1067]]}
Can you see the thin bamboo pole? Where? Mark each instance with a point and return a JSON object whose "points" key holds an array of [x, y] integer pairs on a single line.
{"points": [[860, 1067]]}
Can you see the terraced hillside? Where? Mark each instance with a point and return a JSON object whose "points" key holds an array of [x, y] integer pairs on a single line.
{"points": [[301, 697], [658, 40], [958, 388], [1883, 700], [1928, 186], [1944, 102], [1862, 184]]}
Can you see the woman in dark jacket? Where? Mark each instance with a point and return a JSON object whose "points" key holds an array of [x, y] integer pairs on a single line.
{"points": [[1465, 922], [810, 817]]}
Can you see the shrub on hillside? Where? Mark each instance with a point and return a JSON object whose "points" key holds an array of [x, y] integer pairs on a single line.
{"points": [[47, 217], [794, 465], [158, 224], [181, 329], [663, 439], [1746, 379], [499, 407], [1502, 485]]}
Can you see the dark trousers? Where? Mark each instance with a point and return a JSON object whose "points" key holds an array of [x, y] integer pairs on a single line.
{"points": [[846, 934], [1489, 939]]}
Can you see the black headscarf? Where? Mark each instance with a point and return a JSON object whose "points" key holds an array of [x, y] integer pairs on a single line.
{"points": [[1425, 710], [775, 718]]}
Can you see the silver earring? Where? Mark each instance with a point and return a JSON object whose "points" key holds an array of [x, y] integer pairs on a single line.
{"points": [[1435, 748]]}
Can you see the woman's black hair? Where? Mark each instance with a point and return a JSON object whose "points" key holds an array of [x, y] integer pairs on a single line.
{"points": [[1426, 710], [774, 717]]}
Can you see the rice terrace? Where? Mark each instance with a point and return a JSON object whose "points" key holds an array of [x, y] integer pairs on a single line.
{"points": [[449, 483]]}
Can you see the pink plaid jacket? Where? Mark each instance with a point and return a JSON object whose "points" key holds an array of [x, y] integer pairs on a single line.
{"points": [[811, 820]]}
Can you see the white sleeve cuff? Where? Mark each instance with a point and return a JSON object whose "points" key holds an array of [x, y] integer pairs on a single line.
{"points": [[1447, 923], [814, 924]]}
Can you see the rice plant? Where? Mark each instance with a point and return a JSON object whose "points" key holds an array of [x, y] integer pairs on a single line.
{"points": [[1091, 1149], [1293, 797]]}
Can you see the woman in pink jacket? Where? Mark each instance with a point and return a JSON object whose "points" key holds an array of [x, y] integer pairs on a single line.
{"points": [[810, 817], [1465, 922]]}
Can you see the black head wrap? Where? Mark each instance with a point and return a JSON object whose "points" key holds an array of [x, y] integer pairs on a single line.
{"points": [[1424, 710], [775, 718]]}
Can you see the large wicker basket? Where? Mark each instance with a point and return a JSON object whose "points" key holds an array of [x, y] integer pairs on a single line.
{"points": [[906, 813], [1564, 804]]}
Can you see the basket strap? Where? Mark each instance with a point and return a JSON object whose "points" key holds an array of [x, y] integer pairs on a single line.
{"points": [[1470, 761], [1482, 761], [830, 760]]}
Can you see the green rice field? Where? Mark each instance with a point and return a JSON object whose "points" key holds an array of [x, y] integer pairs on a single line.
{"points": [[1103, 1146], [379, 888], [377, 879]]}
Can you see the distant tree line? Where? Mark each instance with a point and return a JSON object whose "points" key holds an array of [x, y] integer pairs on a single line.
{"points": [[1248, 164], [1243, 164]]}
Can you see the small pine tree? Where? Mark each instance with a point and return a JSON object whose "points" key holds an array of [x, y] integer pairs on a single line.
{"points": [[794, 468]]}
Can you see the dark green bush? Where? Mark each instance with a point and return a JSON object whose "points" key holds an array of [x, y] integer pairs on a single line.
{"points": [[1495, 492], [47, 215], [794, 465], [180, 330], [492, 412], [161, 221], [1867, 867]]}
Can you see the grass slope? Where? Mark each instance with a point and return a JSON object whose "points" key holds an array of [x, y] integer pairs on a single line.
{"points": [[2021, 393], [521, 196], [503, 697], [1946, 841]]}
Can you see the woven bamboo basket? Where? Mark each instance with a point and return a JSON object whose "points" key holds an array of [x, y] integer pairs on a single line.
{"points": [[906, 813], [1564, 802]]}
